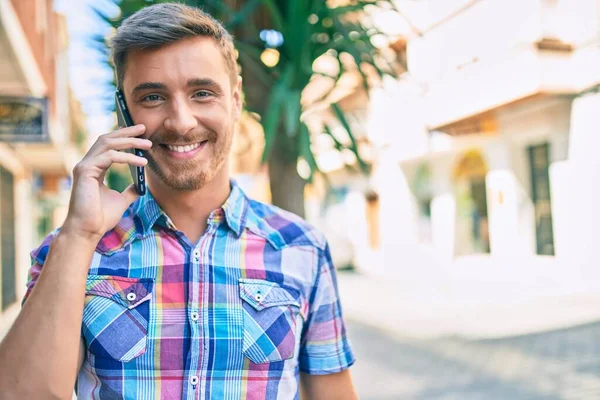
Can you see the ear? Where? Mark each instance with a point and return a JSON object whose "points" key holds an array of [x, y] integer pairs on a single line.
{"points": [[237, 99]]}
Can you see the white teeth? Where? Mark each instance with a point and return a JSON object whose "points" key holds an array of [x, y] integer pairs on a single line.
{"points": [[183, 149]]}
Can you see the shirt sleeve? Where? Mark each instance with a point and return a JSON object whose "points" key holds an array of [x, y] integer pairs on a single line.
{"points": [[38, 257], [325, 348]]}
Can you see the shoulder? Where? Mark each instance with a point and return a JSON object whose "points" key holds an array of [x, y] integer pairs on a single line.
{"points": [[39, 254], [282, 228], [127, 229], [115, 239]]}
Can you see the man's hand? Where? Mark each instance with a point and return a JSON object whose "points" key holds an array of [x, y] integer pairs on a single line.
{"points": [[327, 387], [94, 209], [43, 351]]}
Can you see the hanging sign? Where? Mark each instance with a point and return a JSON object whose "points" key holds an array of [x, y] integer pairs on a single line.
{"points": [[23, 119]]}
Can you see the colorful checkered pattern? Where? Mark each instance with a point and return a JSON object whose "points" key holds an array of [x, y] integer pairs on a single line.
{"points": [[235, 316]]}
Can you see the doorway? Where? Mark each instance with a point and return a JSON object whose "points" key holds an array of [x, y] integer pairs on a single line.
{"points": [[472, 229]]}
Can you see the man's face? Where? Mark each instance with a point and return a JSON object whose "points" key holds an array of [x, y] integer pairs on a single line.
{"points": [[183, 94]]}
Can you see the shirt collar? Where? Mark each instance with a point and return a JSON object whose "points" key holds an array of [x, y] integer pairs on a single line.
{"points": [[236, 209], [148, 212]]}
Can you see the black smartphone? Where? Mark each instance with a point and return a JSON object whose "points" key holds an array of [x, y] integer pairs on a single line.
{"points": [[124, 119]]}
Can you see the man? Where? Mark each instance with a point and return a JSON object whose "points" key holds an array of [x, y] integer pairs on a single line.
{"points": [[191, 291]]}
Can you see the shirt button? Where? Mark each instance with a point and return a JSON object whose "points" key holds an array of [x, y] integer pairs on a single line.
{"points": [[196, 255], [131, 296], [194, 316], [258, 297], [194, 380]]}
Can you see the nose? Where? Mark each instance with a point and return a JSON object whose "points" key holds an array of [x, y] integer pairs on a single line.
{"points": [[181, 119]]}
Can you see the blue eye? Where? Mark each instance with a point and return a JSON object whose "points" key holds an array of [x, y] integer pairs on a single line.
{"points": [[152, 97], [202, 93]]}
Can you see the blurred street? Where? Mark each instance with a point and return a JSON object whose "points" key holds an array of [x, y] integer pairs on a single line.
{"points": [[553, 365], [415, 339]]}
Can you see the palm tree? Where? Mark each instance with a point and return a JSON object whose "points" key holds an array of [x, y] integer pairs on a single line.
{"points": [[281, 44]]}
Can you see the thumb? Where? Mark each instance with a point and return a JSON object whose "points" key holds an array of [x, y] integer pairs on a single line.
{"points": [[130, 194]]}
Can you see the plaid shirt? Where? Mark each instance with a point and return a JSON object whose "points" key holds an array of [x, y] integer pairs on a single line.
{"points": [[235, 316]]}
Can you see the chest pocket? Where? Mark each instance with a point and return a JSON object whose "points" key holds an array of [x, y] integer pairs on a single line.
{"points": [[116, 316], [271, 320]]}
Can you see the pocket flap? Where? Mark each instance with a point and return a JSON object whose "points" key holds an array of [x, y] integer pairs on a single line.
{"points": [[261, 294], [129, 292]]}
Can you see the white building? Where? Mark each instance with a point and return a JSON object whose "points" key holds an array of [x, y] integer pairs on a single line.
{"points": [[487, 143]]}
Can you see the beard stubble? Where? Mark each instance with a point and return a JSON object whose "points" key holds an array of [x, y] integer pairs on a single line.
{"points": [[187, 175]]}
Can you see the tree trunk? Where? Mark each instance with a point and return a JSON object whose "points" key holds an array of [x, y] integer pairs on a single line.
{"points": [[287, 187]]}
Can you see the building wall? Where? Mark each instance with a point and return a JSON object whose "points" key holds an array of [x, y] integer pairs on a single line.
{"points": [[453, 45], [474, 62], [576, 191], [39, 23]]}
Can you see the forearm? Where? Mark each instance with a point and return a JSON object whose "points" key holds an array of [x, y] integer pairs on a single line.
{"points": [[337, 386], [39, 355]]}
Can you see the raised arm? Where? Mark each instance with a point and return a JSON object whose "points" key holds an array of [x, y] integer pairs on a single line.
{"points": [[42, 353]]}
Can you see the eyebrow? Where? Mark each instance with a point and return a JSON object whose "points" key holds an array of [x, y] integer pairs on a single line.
{"points": [[149, 85], [190, 83], [203, 82]]}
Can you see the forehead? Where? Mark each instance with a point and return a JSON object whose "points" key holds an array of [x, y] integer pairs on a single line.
{"points": [[174, 64]]}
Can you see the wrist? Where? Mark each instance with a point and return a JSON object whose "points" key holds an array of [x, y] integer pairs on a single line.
{"points": [[79, 235], [71, 250]]}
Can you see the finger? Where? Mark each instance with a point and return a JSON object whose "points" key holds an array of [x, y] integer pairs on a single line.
{"points": [[102, 142], [96, 166], [105, 160], [128, 143], [130, 131], [130, 194], [121, 157]]}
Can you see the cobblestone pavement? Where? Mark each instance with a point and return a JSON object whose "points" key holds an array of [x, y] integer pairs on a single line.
{"points": [[558, 364]]}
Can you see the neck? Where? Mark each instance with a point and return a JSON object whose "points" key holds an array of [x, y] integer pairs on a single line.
{"points": [[189, 210]]}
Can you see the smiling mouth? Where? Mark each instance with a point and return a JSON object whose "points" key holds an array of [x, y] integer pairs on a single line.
{"points": [[186, 148]]}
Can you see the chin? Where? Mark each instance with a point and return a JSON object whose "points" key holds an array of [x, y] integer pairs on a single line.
{"points": [[186, 185], [186, 179], [183, 181]]}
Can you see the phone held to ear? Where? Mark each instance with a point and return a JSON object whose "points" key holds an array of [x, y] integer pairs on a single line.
{"points": [[124, 120]]}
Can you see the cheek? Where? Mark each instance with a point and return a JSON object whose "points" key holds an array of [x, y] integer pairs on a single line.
{"points": [[216, 116], [152, 122], [216, 122]]}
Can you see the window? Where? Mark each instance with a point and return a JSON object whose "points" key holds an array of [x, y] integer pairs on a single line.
{"points": [[424, 220], [7, 238], [539, 162], [422, 189]]}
